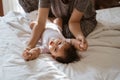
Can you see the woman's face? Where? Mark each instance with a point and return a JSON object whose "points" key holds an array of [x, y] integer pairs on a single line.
{"points": [[57, 47]]}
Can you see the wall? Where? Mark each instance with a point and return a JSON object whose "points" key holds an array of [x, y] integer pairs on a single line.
{"points": [[11, 5], [100, 4], [1, 8]]}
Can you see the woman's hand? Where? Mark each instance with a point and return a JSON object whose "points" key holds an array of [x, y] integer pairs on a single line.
{"points": [[75, 28], [31, 54], [83, 42]]}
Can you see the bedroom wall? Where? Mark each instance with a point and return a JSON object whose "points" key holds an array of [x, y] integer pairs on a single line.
{"points": [[101, 4], [1, 8], [11, 5]]}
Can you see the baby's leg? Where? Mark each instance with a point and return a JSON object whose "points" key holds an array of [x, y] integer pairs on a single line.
{"points": [[58, 21], [32, 24]]}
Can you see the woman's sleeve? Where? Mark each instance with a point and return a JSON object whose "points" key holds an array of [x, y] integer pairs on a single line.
{"points": [[82, 5], [44, 3]]}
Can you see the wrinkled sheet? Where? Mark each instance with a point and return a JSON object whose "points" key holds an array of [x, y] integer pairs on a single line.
{"points": [[100, 62]]}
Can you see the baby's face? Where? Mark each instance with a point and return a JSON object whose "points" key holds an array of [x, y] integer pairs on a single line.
{"points": [[57, 47]]}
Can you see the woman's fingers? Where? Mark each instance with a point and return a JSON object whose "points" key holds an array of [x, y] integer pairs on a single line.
{"points": [[83, 44], [83, 47]]}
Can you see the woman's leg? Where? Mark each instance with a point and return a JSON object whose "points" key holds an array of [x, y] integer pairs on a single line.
{"points": [[87, 27], [66, 32]]}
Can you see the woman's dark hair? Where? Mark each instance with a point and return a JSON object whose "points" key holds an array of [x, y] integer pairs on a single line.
{"points": [[71, 55]]}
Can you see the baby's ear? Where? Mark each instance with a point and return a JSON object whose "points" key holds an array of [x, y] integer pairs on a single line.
{"points": [[51, 42]]}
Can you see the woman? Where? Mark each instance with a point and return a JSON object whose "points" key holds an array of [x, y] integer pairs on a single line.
{"points": [[78, 18]]}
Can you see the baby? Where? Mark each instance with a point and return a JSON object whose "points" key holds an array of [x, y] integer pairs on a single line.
{"points": [[53, 42]]}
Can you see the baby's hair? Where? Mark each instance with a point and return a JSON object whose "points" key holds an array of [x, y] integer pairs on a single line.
{"points": [[71, 55]]}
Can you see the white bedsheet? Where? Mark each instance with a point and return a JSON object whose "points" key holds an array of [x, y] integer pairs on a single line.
{"points": [[100, 62]]}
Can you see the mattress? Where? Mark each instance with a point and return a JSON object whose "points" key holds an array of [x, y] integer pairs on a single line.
{"points": [[100, 62]]}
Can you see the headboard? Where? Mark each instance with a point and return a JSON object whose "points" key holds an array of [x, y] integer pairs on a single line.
{"points": [[100, 4], [1, 8]]}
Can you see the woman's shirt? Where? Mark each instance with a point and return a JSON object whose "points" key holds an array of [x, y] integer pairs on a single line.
{"points": [[63, 10]]}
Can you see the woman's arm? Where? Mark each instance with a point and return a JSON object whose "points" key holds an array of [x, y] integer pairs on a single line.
{"points": [[74, 25], [39, 27]]}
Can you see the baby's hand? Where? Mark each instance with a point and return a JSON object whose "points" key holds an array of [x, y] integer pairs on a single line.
{"points": [[31, 54]]}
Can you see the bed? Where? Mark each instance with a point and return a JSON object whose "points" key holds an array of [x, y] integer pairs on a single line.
{"points": [[100, 62]]}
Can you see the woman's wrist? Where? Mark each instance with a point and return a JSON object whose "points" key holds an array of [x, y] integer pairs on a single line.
{"points": [[79, 35]]}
